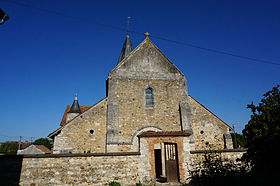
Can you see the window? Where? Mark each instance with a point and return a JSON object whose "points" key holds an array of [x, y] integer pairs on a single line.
{"points": [[149, 97], [91, 131]]}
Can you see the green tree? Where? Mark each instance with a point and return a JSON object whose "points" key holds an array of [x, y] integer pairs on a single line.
{"points": [[9, 147], [262, 133], [43, 141], [214, 172], [238, 140]]}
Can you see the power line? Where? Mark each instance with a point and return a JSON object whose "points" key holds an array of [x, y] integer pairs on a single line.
{"points": [[218, 51], [139, 33], [13, 137]]}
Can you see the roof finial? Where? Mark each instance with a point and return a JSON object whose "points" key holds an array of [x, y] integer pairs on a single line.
{"points": [[76, 96], [147, 34], [127, 46], [127, 28]]}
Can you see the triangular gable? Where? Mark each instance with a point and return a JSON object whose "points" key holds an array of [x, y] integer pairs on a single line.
{"points": [[146, 58], [60, 128], [82, 107], [44, 149], [35, 149], [211, 113]]}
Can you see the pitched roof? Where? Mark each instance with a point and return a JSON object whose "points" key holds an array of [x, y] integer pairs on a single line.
{"points": [[127, 48], [212, 113], [146, 42], [75, 108], [43, 149], [164, 133], [24, 145], [63, 123], [83, 108]]}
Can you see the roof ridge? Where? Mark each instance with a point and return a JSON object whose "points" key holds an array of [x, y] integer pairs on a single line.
{"points": [[148, 41], [61, 127], [211, 112]]}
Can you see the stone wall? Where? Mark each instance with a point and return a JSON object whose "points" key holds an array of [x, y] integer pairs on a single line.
{"points": [[85, 133], [208, 129], [133, 114], [226, 155], [99, 168], [78, 169], [146, 67]]}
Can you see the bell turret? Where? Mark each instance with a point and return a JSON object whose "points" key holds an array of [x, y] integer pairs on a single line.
{"points": [[74, 110]]}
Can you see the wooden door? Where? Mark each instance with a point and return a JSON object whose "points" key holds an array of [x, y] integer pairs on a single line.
{"points": [[171, 162]]}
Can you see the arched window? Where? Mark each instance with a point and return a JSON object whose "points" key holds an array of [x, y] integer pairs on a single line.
{"points": [[149, 97]]}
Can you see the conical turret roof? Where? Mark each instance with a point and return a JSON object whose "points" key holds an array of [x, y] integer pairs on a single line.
{"points": [[75, 108], [127, 48]]}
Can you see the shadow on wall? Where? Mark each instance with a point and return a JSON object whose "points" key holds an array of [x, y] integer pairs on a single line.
{"points": [[10, 168]]}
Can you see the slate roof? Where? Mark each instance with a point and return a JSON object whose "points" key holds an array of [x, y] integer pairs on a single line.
{"points": [[127, 48], [75, 108], [83, 108]]}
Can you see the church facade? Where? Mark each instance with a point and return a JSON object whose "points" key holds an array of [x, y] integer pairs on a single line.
{"points": [[147, 109]]}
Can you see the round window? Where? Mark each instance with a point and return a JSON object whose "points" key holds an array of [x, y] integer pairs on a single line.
{"points": [[91, 131]]}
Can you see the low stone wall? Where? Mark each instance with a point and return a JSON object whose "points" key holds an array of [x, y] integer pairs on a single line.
{"points": [[93, 169], [226, 155], [73, 169]]}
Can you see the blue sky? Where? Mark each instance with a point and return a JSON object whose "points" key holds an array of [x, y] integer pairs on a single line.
{"points": [[45, 57]]}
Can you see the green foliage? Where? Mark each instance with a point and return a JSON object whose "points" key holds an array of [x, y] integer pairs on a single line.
{"points": [[214, 172], [43, 141], [263, 133], [9, 147], [114, 183], [238, 140], [139, 183], [262, 137]]}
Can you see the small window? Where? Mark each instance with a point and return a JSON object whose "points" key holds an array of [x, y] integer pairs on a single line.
{"points": [[91, 131], [149, 97]]}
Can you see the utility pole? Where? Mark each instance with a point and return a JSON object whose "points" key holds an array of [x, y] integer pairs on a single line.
{"points": [[19, 144], [234, 133]]}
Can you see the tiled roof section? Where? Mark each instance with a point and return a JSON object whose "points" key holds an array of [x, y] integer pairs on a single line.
{"points": [[82, 107], [43, 148], [24, 145], [164, 134]]}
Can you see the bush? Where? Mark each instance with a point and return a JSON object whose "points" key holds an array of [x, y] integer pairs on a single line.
{"points": [[114, 183], [214, 172], [43, 141], [9, 148]]}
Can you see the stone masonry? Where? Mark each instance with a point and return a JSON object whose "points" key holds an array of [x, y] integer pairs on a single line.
{"points": [[145, 94]]}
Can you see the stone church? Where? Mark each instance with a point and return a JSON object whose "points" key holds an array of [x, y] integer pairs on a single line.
{"points": [[147, 109]]}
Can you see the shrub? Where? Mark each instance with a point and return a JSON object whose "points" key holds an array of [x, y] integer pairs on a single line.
{"points": [[213, 171], [114, 183]]}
